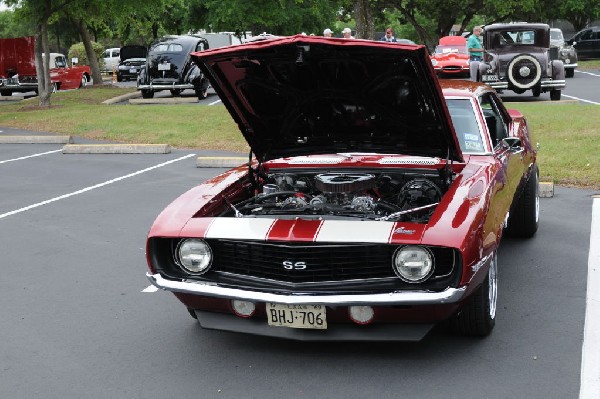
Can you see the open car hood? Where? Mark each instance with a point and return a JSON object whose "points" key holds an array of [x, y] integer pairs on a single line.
{"points": [[305, 95], [133, 51]]}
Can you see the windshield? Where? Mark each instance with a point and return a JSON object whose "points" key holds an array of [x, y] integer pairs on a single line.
{"points": [[556, 35], [451, 49], [466, 126]]}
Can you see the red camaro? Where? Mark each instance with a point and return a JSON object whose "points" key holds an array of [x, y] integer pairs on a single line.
{"points": [[373, 207], [451, 57]]}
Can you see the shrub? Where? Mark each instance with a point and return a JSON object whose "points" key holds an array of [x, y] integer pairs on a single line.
{"points": [[78, 51]]}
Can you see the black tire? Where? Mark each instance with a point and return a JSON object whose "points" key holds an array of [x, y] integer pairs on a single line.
{"points": [[54, 87], [147, 94], [192, 313], [478, 317], [201, 93], [570, 72], [554, 95], [119, 78], [176, 92], [6, 93], [84, 81], [536, 91], [524, 217]]}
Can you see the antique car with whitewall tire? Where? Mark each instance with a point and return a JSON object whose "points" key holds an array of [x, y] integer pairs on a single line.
{"points": [[518, 57], [133, 57], [564, 51], [373, 205], [169, 66]]}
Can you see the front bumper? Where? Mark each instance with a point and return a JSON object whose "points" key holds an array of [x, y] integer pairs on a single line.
{"points": [[173, 86], [449, 295], [16, 86], [545, 84]]}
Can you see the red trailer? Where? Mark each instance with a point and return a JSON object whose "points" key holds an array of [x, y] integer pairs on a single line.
{"points": [[18, 72]]}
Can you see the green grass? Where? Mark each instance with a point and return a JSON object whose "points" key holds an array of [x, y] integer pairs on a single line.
{"points": [[588, 64], [568, 133], [569, 139], [81, 113]]}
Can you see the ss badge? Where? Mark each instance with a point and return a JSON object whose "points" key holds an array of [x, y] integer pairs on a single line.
{"points": [[289, 265]]}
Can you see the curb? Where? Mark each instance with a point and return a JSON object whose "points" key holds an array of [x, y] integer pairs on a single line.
{"points": [[546, 190], [116, 149], [123, 97], [167, 100], [11, 98], [36, 139], [220, 162]]}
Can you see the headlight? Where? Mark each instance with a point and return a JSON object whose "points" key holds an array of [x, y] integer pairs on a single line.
{"points": [[123, 67], [433, 62], [564, 52], [194, 255], [413, 264]]}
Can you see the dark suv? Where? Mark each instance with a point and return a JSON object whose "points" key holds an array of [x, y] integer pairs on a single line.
{"points": [[518, 57], [587, 42]]}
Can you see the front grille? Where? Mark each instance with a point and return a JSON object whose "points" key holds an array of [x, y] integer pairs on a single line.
{"points": [[313, 263]]}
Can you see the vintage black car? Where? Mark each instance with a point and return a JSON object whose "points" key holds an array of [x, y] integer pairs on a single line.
{"points": [[132, 57], [518, 57], [587, 42], [169, 67]]}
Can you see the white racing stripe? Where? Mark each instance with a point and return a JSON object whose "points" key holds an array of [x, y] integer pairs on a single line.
{"points": [[581, 99], [350, 231], [240, 228], [90, 188], [590, 352], [30, 156]]}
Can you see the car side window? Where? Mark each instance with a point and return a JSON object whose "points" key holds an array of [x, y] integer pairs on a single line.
{"points": [[493, 118], [466, 127], [60, 62], [586, 35]]}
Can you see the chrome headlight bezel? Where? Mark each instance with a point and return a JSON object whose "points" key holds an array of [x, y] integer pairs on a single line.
{"points": [[423, 260], [434, 62], [193, 256]]}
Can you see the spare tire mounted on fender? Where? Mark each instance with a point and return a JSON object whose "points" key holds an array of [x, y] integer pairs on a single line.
{"points": [[524, 71]]}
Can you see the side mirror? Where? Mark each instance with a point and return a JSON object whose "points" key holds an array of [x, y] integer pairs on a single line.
{"points": [[512, 142]]}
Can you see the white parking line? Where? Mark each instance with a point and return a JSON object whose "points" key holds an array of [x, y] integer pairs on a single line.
{"points": [[590, 352], [581, 99], [215, 102], [588, 73], [30, 156], [84, 190]]}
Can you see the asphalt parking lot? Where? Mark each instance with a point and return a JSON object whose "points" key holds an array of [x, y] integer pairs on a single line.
{"points": [[79, 321]]}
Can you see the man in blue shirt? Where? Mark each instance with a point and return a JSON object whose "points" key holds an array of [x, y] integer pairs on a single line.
{"points": [[474, 45]]}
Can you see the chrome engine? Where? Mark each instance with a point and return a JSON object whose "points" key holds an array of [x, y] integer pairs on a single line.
{"points": [[373, 196]]}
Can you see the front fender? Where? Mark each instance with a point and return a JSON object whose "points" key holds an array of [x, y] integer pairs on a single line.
{"points": [[558, 70]]}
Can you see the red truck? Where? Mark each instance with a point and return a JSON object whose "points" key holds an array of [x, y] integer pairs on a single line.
{"points": [[18, 72]]}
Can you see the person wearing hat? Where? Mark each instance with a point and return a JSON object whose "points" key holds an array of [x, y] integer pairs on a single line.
{"points": [[389, 36], [327, 32], [347, 33]]}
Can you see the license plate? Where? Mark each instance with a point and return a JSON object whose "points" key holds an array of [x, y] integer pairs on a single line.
{"points": [[164, 67], [489, 78], [297, 316], [133, 70]]}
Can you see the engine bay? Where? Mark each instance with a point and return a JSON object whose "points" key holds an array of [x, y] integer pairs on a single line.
{"points": [[406, 195]]}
